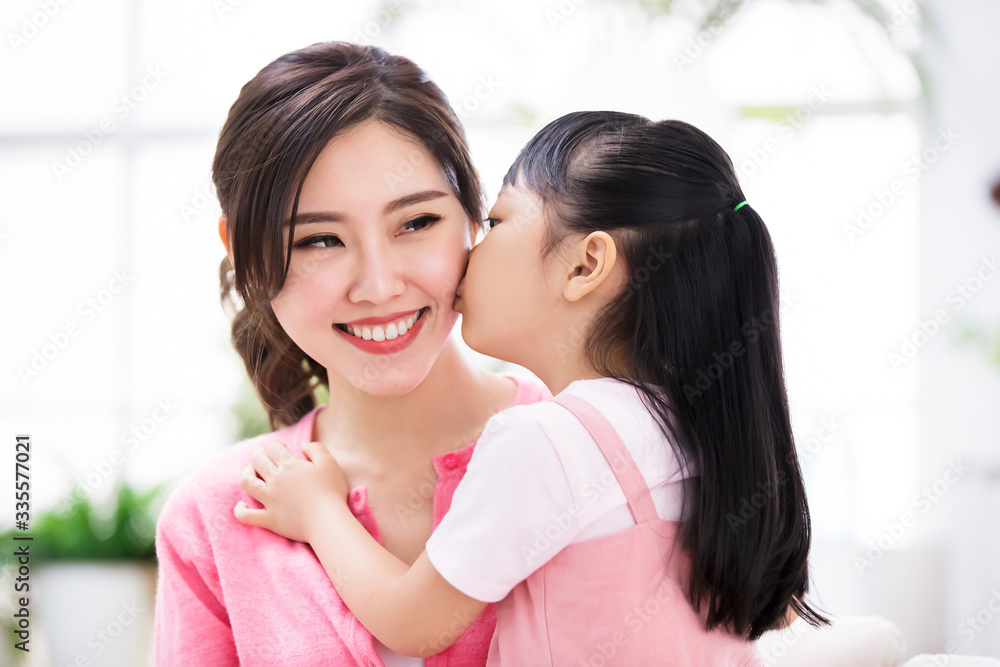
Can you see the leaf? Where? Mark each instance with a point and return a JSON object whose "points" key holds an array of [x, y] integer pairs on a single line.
{"points": [[122, 528]]}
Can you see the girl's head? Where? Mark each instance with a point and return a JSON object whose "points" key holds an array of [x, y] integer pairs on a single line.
{"points": [[642, 269], [349, 201]]}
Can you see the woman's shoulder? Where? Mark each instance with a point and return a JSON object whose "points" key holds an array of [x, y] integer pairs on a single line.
{"points": [[529, 390], [215, 483]]}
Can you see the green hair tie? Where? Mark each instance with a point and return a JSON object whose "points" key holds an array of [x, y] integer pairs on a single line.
{"points": [[740, 205]]}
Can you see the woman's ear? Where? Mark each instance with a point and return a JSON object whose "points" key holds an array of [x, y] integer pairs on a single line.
{"points": [[592, 264], [224, 237]]}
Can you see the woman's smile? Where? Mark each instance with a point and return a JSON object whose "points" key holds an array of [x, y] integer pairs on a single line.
{"points": [[384, 335]]}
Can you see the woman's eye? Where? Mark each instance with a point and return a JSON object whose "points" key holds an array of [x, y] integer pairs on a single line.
{"points": [[323, 241], [422, 222], [492, 222]]}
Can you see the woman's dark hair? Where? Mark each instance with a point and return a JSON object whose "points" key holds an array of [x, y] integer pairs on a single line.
{"points": [[279, 124], [695, 329]]}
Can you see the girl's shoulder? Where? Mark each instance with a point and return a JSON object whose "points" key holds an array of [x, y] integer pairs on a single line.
{"points": [[532, 392], [608, 395], [620, 403]]}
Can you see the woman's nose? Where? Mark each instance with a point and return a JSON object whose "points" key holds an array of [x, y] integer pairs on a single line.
{"points": [[379, 277]]}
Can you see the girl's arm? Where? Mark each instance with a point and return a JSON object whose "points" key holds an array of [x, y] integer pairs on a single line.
{"points": [[411, 609]]}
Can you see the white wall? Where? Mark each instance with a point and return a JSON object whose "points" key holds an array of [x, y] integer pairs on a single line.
{"points": [[959, 396]]}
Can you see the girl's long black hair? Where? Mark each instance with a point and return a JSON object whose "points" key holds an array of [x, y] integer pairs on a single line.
{"points": [[697, 326]]}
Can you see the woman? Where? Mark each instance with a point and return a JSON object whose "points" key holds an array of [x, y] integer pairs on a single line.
{"points": [[349, 206]]}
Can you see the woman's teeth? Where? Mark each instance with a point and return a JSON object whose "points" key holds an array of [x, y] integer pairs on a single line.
{"points": [[381, 332]]}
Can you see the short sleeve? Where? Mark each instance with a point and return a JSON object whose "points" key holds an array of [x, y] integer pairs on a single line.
{"points": [[511, 513], [192, 624]]}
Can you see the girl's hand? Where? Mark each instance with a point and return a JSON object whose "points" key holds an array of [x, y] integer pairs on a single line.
{"points": [[297, 494]]}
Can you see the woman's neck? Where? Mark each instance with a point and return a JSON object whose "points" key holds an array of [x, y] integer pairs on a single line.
{"points": [[446, 411]]}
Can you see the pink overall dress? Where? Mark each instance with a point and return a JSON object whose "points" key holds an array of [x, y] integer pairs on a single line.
{"points": [[613, 600]]}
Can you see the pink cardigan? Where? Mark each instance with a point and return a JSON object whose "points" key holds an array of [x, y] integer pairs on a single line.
{"points": [[230, 594]]}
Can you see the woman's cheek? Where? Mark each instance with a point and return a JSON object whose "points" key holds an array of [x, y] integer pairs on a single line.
{"points": [[444, 272], [279, 304], [295, 282]]}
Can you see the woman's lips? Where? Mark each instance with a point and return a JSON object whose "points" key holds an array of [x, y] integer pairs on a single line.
{"points": [[386, 346], [385, 319]]}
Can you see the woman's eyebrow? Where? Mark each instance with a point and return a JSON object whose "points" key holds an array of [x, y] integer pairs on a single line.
{"points": [[413, 198], [316, 216], [394, 205]]}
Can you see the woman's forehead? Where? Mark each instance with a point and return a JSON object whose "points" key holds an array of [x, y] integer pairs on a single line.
{"points": [[372, 166]]}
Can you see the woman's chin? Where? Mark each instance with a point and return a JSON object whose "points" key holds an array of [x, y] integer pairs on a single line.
{"points": [[389, 383]]}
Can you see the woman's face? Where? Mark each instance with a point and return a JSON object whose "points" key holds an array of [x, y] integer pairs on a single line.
{"points": [[380, 245]]}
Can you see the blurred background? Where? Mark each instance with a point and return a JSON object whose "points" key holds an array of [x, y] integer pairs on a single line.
{"points": [[866, 134]]}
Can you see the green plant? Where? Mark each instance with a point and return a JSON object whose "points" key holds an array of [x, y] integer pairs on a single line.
{"points": [[983, 339], [121, 528]]}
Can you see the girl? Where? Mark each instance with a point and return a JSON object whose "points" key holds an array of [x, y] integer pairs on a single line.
{"points": [[622, 266], [349, 205]]}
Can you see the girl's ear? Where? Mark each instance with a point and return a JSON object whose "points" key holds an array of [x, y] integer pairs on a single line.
{"points": [[592, 262], [224, 237]]}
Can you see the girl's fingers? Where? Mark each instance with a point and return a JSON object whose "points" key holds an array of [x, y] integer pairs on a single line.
{"points": [[263, 464], [251, 483], [278, 452], [315, 451], [250, 517]]}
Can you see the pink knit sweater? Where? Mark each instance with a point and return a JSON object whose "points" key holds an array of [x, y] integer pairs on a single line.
{"points": [[230, 594]]}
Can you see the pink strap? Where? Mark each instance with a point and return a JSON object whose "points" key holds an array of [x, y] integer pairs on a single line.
{"points": [[640, 502]]}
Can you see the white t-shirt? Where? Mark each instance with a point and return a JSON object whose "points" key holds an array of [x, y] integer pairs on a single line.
{"points": [[537, 482]]}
